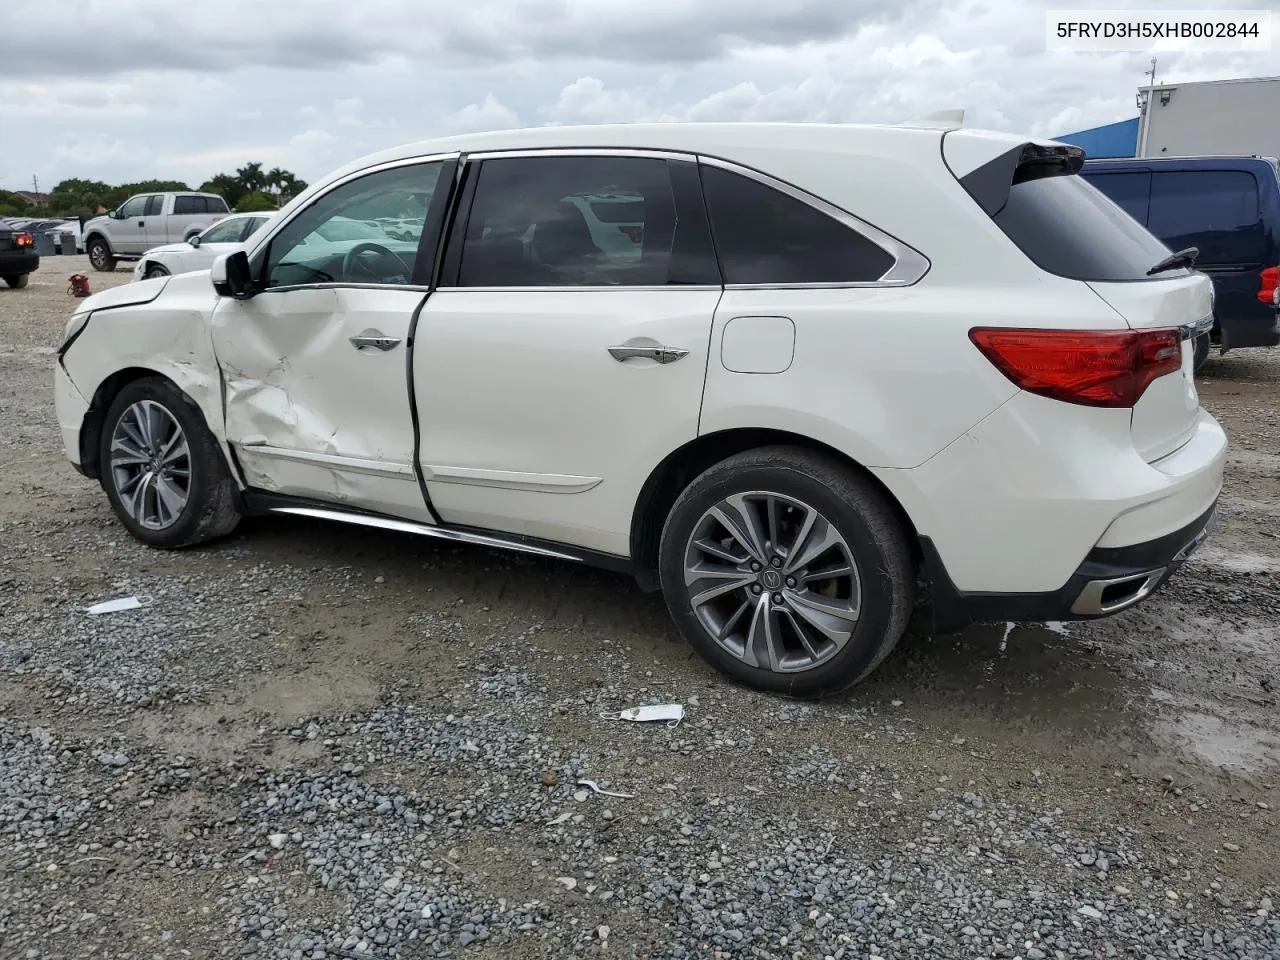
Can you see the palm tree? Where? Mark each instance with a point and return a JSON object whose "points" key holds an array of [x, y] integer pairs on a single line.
{"points": [[274, 184], [250, 177]]}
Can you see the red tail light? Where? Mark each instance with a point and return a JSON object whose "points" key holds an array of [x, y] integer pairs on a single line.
{"points": [[634, 232], [1269, 293], [1096, 368], [24, 240]]}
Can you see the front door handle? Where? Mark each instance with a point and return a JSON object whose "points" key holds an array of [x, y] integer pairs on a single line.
{"points": [[372, 338], [659, 353]]}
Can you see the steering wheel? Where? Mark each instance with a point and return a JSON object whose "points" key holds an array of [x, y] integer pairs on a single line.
{"points": [[354, 262]]}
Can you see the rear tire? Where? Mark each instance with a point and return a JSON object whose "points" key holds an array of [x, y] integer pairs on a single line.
{"points": [[100, 255], [19, 282], [162, 469], [810, 602]]}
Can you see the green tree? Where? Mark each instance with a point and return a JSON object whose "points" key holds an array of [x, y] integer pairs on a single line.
{"points": [[226, 186], [255, 202], [250, 177]]}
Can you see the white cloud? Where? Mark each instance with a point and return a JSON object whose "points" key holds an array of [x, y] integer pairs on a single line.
{"points": [[310, 93], [477, 117]]}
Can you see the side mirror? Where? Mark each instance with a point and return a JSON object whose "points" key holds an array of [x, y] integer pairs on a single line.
{"points": [[194, 239], [231, 277]]}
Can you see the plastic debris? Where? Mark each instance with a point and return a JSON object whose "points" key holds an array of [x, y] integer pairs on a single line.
{"points": [[595, 788], [669, 713], [115, 606], [564, 817]]}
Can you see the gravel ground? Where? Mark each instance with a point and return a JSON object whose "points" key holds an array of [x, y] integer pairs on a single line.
{"points": [[317, 742]]}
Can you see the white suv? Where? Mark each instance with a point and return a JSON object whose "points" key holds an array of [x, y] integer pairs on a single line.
{"points": [[853, 371]]}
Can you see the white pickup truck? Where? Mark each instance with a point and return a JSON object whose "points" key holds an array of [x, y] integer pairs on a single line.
{"points": [[148, 220]]}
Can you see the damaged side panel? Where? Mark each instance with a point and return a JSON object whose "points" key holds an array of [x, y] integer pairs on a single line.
{"points": [[310, 413]]}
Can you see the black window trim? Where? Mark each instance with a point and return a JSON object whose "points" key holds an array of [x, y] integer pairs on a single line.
{"points": [[262, 246], [909, 264], [473, 163]]}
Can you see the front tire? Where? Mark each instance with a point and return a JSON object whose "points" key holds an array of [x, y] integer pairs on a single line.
{"points": [[787, 571], [19, 282], [153, 271], [100, 256], [162, 469]]}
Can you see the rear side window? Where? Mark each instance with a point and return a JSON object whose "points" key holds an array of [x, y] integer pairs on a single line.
{"points": [[185, 206], [763, 236], [1215, 210], [1131, 191], [580, 221], [1070, 228]]}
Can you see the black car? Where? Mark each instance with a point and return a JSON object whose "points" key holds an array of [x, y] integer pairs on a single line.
{"points": [[18, 257], [1226, 207]]}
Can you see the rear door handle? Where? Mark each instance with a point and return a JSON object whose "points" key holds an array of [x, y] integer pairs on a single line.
{"points": [[661, 354], [371, 338]]}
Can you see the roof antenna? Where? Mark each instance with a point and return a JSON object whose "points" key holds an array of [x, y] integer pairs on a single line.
{"points": [[944, 119]]}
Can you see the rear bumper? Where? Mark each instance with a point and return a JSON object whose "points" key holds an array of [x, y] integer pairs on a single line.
{"points": [[15, 263], [1110, 579]]}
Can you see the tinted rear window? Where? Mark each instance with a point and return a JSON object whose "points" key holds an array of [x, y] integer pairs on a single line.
{"points": [[1131, 191], [1070, 228], [1215, 210]]}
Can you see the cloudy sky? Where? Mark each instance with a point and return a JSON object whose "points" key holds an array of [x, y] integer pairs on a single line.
{"points": [[121, 90]]}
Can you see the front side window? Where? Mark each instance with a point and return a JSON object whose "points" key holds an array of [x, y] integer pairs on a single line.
{"points": [[764, 236], [571, 221], [134, 207], [251, 226], [216, 205], [337, 238], [1214, 210], [226, 231], [155, 205]]}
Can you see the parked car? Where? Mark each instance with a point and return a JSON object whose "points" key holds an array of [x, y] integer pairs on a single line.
{"points": [[149, 220], [18, 257], [880, 370], [1226, 207], [201, 249]]}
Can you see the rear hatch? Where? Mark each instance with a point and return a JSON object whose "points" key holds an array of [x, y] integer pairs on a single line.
{"points": [[1069, 228]]}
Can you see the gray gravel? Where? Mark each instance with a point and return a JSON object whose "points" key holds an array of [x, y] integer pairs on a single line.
{"points": [[316, 743]]}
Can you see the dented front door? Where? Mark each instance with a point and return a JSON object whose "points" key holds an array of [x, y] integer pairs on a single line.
{"points": [[317, 401]]}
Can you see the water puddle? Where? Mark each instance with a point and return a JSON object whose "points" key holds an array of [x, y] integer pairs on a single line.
{"points": [[1231, 745]]}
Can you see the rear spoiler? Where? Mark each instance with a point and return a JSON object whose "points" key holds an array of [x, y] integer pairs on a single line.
{"points": [[989, 184]]}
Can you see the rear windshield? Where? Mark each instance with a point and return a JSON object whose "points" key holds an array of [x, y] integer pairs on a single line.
{"points": [[1070, 228]]}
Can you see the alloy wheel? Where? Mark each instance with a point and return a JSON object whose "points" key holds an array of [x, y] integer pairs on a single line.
{"points": [[772, 581], [150, 462]]}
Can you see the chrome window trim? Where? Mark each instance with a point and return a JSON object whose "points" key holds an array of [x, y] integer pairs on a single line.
{"points": [[909, 264], [262, 241], [603, 288], [528, 152], [339, 285]]}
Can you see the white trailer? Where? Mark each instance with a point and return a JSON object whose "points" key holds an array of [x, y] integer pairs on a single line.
{"points": [[1217, 117]]}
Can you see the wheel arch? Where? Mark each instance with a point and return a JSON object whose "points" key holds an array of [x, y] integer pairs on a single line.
{"points": [[679, 468], [93, 235], [103, 397]]}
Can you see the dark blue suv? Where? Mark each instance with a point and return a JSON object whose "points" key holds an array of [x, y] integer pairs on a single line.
{"points": [[1229, 207]]}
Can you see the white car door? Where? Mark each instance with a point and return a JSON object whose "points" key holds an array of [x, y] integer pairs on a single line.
{"points": [[314, 366], [551, 375], [129, 232]]}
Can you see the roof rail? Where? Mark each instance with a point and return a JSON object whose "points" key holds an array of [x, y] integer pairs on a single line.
{"points": [[942, 119]]}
